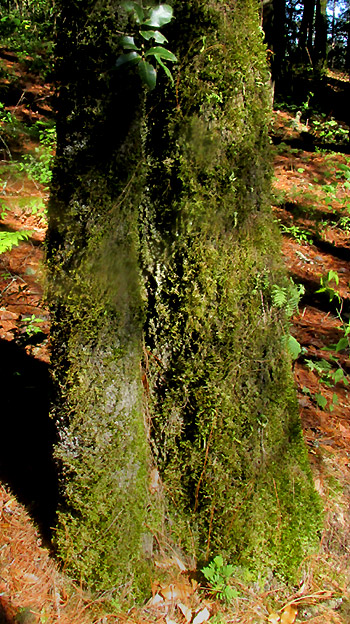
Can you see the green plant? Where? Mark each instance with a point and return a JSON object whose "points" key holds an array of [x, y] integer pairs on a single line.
{"points": [[29, 324], [292, 345], [218, 576], [300, 235], [329, 130], [38, 167], [148, 20], [344, 223], [326, 287], [329, 376], [287, 297], [8, 240]]}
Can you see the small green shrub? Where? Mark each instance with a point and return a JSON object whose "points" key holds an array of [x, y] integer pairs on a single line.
{"points": [[326, 285], [329, 130], [299, 234], [30, 326], [218, 576]]}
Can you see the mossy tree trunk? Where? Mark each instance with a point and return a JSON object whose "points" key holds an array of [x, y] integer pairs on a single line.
{"points": [[162, 250], [225, 426], [96, 302]]}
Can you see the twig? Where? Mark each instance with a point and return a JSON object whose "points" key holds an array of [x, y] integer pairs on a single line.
{"points": [[205, 463]]}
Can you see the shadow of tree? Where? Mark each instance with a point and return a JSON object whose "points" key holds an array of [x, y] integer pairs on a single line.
{"points": [[27, 434]]}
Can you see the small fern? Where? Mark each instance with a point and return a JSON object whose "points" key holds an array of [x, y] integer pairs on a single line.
{"points": [[279, 296], [8, 240], [287, 297]]}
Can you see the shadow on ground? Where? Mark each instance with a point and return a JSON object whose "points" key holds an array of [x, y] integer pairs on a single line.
{"points": [[27, 434]]}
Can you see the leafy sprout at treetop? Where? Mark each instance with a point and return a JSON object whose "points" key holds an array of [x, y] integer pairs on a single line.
{"points": [[147, 21]]}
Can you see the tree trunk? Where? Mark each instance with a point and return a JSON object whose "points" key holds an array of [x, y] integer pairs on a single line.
{"points": [[305, 43], [274, 25], [347, 53], [160, 222], [320, 45], [96, 302]]}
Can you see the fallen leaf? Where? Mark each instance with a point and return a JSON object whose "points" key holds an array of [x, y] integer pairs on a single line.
{"points": [[169, 620], [31, 578], [344, 430], [157, 599], [179, 563], [176, 591], [202, 616], [273, 618], [186, 611], [289, 615]]}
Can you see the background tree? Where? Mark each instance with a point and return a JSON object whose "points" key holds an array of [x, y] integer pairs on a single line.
{"points": [[162, 249], [321, 29], [274, 25], [305, 43]]}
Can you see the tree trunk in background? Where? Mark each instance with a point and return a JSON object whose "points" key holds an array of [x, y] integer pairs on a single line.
{"points": [[274, 25], [160, 220], [347, 54], [320, 44], [305, 43]]}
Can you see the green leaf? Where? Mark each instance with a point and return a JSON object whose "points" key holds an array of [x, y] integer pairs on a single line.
{"points": [[130, 57], [11, 239], [166, 69], [208, 573], [300, 170], [321, 400], [136, 9], [338, 375], [333, 276], [218, 560], [128, 43], [153, 34], [148, 74], [335, 399], [159, 16], [293, 346], [342, 344], [162, 53]]}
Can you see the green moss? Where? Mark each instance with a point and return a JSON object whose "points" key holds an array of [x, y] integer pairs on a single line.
{"points": [[225, 427], [162, 249], [103, 456]]}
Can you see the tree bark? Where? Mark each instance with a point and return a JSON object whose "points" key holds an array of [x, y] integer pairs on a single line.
{"points": [[274, 25], [96, 303], [320, 45], [162, 249], [305, 43], [347, 53]]}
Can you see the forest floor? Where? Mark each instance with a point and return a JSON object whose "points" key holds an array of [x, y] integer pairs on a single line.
{"points": [[312, 205]]}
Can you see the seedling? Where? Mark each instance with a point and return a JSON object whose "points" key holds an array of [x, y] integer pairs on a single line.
{"points": [[326, 287], [30, 327], [218, 576]]}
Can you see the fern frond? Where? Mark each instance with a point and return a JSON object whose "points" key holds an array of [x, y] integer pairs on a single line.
{"points": [[8, 240]]}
